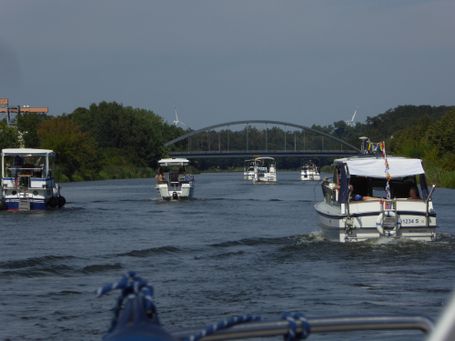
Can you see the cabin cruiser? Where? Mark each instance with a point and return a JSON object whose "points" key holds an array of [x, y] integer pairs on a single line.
{"points": [[27, 182], [371, 197], [264, 170], [309, 172], [173, 182], [248, 169]]}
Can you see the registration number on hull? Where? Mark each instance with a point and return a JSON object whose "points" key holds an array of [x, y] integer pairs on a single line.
{"points": [[412, 221]]}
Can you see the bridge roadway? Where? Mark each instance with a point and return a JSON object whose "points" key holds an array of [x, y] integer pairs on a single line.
{"points": [[254, 153]]}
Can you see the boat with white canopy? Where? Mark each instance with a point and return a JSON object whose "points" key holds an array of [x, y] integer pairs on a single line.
{"points": [[27, 181], [264, 170], [309, 172], [248, 169], [173, 181], [377, 196]]}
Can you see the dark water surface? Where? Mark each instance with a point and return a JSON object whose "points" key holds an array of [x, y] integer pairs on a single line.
{"points": [[237, 248]]}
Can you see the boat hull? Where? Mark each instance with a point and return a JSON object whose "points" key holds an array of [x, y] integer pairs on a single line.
{"points": [[310, 177], [183, 191], [362, 222], [248, 175], [264, 178]]}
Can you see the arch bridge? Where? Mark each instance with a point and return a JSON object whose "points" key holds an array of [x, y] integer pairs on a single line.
{"points": [[276, 138]]}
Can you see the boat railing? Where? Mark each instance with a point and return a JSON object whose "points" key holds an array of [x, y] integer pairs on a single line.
{"points": [[427, 205], [318, 325], [329, 190]]}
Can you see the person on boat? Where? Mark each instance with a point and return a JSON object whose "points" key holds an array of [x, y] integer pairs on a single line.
{"points": [[159, 177], [413, 193]]}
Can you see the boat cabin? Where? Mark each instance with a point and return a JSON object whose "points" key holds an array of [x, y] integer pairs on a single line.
{"points": [[173, 170], [24, 166], [364, 178]]}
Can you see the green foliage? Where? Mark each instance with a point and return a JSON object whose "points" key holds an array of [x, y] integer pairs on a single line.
{"points": [[77, 155], [28, 123], [8, 136], [108, 140], [136, 134]]}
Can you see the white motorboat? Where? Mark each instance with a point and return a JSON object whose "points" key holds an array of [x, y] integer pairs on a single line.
{"points": [[371, 197], [248, 169], [173, 182], [264, 170], [309, 172], [27, 182]]}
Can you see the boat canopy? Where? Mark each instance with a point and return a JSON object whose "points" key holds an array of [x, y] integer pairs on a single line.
{"points": [[174, 162], [375, 167], [268, 158], [27, 152]]}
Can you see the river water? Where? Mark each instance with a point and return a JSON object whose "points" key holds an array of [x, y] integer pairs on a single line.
{"points": [[236, 248]]}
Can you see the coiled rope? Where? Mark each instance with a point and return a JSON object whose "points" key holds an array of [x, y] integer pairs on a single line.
{"points": [[134, 287], [130, 285]]}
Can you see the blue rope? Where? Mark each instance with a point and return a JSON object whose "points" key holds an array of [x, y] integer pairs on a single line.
{"points": [[224, 324], [294, 320], [130, 285]]}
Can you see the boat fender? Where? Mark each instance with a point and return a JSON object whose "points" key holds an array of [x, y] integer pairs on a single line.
{"points": [[52, 202], [61, 201], [175, 196], [380, 224]]}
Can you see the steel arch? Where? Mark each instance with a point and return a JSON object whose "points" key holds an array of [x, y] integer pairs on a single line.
{"points": [[246, 122]]}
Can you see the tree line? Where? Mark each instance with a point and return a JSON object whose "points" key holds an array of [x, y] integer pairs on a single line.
{"points": [[108, 140], [104, 141]]}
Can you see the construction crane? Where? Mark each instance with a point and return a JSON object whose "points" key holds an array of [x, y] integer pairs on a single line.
{"points": [[12, 111]]}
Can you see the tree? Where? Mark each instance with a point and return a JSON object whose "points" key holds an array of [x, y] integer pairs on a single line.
{"points": [[76, 150], [8, 136], [27, 123]]}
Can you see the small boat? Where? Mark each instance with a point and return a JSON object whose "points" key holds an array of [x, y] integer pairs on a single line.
{"points": [[372, 196], [27, 182], [173, 182], [264, 170], [248, 169], [309, 172]]}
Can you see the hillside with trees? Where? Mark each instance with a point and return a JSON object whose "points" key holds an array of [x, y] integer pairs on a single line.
{"points": [[108, 140], [104, 141]]}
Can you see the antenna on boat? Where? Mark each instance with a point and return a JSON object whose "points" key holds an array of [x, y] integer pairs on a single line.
{"points": [[363, 144]]}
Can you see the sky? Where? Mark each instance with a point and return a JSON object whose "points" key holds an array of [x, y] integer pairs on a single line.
{"points": [[303, 62]]}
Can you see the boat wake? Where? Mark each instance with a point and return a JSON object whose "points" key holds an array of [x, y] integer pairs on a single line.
{"points": [[151, 252]]}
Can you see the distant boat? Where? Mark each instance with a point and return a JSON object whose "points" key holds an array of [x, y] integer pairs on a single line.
{"points": [[27, 181], [248, 169], [264, 170], [309, 172], [371, 197], [173, 180]]}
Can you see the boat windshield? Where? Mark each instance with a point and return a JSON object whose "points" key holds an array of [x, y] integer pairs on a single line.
{"points": [[175, 173], [20, 165], [409, 187]]}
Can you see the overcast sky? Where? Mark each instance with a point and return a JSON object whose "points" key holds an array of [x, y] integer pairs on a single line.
{"points": [[299, 61]]}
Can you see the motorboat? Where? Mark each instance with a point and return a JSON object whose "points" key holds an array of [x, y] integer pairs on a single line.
{"points": [[173, 182], [248, 169], [309, 172], [27, 181], [371, 196], [264, 170]]}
